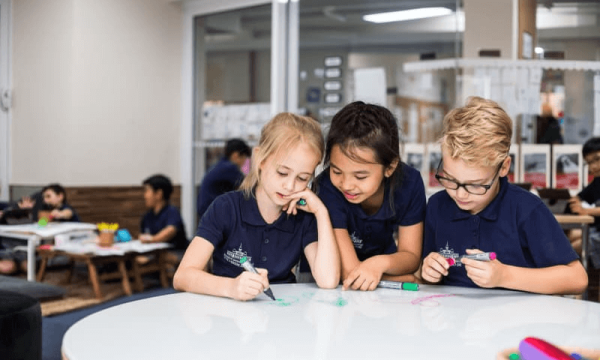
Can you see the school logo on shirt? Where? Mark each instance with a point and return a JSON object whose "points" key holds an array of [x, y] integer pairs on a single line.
{"points": [[358, 243], [449, 253], [234, 256]]}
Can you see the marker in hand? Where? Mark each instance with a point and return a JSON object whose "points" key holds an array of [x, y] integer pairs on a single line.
{"points": [[248, 267], [488, 256]]}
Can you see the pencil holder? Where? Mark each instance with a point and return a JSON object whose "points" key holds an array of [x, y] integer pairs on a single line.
{"points": [[106, 238]]}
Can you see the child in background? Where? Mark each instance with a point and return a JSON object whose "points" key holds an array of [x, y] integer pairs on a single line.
{"points": [[225, 176], [481, 211], [162, 222], [55, 199], [591, 195], [371, 195], [261, 221]]}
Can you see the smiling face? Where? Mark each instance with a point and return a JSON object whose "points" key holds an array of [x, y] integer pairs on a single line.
{"points": [[464, 173], [361, 182], [286, 174]]}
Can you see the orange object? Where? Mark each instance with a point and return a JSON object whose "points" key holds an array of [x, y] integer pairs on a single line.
{"points": [[106, 238]]}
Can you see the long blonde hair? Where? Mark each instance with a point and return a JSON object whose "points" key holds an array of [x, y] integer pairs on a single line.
{"points": [[282, 133]]}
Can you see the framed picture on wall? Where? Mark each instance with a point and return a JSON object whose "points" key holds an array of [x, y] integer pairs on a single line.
{"points": [[414, 156], [513, 173], [535, 165], [432, 160], [567, 167]]}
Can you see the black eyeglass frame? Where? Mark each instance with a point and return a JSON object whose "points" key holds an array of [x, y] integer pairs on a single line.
{"points": [[464, 186]]}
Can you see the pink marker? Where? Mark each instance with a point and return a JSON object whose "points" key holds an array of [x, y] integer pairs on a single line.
{"points": [[532, 348], [450, 261]]}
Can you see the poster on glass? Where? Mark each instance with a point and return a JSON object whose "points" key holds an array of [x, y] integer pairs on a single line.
{"points": [[535, 165], [567, 167], [414, 156], [432, 159]]}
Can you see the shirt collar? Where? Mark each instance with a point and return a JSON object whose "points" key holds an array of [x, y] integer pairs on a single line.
{"points": [[251, 215], [492, 210]]}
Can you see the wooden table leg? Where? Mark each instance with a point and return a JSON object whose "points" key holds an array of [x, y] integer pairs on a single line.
{"points": [[42, 272], [137, 277], [94, 277], [124, 277], [162, 268], [69, 274]]}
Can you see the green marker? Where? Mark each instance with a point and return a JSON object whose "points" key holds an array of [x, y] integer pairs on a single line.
{"points": [[301, 202], [248, 267], [514, 356], [398, 285]]}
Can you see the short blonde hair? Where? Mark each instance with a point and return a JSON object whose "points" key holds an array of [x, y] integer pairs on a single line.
{"points": [[479, 133], [282, 133]]}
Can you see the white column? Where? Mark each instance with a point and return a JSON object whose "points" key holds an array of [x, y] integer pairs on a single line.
{"points": [[293, 53], [187, 125], [278, 56]]}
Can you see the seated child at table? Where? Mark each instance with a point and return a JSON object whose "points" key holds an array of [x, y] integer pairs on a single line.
{"points": [[481, 212], [162, 222], [591, 195], [55, 201], [225, 176], [55, 206], [262, 221]]}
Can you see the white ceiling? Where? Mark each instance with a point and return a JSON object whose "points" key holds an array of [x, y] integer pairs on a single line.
{"points": [[339, 24]]}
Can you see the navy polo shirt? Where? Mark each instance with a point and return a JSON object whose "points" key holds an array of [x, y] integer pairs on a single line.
{"points": [[516, 225], [591, 195], [374, 234], [74, 218], [169, 215], [234, 226], [225, 176]]}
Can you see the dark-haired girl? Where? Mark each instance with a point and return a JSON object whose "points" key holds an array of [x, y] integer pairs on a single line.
{"points": [[376, 202]]}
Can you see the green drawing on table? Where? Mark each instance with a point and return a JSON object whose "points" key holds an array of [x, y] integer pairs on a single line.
{"points": [[341, 302], [286, 302]]}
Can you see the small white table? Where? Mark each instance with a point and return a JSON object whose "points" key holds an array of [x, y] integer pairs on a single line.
{"points": [[436, 322], [33, 234]]}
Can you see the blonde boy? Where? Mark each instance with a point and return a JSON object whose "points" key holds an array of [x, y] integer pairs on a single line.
{"points": [[481, 212]]}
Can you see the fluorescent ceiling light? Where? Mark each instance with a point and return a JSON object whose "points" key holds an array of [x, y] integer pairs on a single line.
{"points": [[407, 14], [539, 50]]}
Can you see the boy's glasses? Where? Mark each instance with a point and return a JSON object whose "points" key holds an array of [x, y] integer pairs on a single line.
{"points": [[475, 189]]}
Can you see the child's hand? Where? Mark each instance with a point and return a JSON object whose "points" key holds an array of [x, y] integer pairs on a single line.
{"points": [[55, 214], [575, 204], [26, 203], [312, 203], [146, 238], [248, 285], [434, 267], [365, 276], [486, 274]]}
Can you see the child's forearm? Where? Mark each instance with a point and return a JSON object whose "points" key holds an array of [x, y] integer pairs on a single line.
{"points": [[399, 263], [198, 281], [327, 269], [595, 211], [560, 279], [348, 257]]}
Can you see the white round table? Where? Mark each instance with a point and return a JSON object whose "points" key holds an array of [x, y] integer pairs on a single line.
{"points": [[436, 322]]}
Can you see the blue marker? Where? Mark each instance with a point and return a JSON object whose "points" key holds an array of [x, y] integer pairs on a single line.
{"points": [[248, 267]]}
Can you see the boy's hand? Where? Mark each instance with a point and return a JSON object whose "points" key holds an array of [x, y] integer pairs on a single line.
{"points": [[485, 274], [312, 203], [434, 267], [26, 203], [365, 276], [248, 285], [146, 238], [575, 205]]}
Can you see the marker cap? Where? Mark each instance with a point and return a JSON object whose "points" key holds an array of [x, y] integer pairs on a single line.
{"points": [[243, 260], [451, 261], [492, 256]]}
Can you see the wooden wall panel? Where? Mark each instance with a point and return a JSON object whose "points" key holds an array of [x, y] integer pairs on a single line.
{"points": [[120, 204]]}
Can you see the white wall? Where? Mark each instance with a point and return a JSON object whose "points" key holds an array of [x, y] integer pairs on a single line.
{"points": [[96, 91]]}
